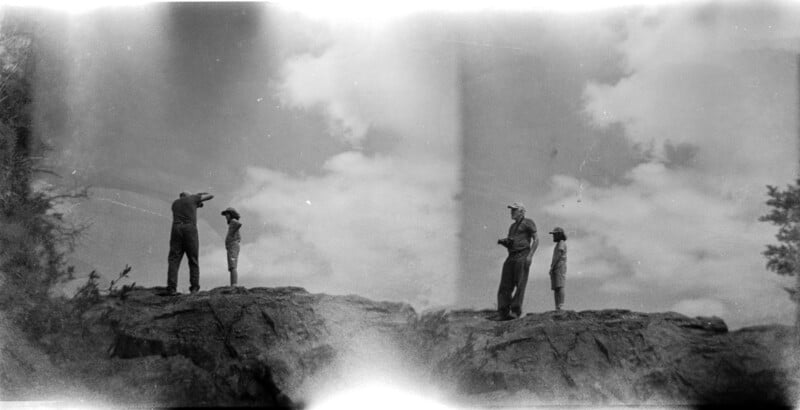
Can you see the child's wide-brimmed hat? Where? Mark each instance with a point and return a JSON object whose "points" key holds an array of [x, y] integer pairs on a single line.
{"points": [[234, 214]]}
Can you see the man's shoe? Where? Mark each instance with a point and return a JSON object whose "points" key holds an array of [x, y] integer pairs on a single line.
{"points": [[514, 315], [169, 292]]}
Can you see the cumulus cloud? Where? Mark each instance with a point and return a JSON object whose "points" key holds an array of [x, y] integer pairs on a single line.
{"points": [[669, 230], [376, 226], [618, 288], [380, 223], [710, 96], [592, 257], [389, 77], [710, 78], [700, 307]]}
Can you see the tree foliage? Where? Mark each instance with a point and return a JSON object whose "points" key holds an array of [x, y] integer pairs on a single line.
{"points": [[784, 258], [34, 236], [785, 213]]}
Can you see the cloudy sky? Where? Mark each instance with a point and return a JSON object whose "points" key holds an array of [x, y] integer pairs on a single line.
{"points": [[377, 156]]}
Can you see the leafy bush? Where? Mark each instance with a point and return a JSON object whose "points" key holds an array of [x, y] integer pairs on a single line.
{"points": [[112, 286], [34, 237], [784, 258]]}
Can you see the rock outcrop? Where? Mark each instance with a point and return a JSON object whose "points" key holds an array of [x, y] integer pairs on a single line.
{"points": [[613, 357], [278, 346]]}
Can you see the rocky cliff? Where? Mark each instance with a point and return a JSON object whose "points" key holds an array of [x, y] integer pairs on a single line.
{"points": [[285, 347]]}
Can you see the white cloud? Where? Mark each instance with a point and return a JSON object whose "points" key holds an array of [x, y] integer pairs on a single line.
{"points": [[662, 224], [676, 236], [264, 261], [700, 307], [382, 224], [380, 227], [618, 287], [390, 76], [715, 79], [589, 257], [711, 78]]}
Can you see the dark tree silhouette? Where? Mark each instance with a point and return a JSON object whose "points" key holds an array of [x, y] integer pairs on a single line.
{"points": [[784, 258], [35, 237]]}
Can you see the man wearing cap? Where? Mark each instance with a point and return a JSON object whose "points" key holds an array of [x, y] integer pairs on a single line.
{"points": [[558, 268], [184, 239], [521, 243], [232, 242]]}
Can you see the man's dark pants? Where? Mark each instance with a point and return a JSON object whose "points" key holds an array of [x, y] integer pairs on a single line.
{"points": [[183, 239], [514, 276]]}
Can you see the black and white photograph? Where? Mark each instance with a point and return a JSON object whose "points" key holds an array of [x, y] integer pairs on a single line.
{"points": [[388, 205]]}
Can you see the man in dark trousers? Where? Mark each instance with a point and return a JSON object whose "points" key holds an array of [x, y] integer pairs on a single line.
{"points": [[184, 239], [521, 243]]}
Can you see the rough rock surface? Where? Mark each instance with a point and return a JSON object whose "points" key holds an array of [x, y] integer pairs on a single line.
{"points": [[613, 357], [227, 346], [275, 346]]}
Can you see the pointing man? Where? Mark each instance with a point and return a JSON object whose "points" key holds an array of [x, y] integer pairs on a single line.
{"points": [[184, 239]]}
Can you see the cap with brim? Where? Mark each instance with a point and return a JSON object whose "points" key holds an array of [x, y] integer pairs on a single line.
{"points": [[557, 230], [517, 205], [231, 211]]}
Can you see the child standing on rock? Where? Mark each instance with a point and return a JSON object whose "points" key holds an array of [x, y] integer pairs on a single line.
{"points": [[232, 242], [558, 268]]}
